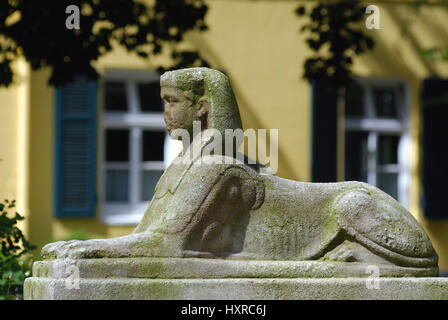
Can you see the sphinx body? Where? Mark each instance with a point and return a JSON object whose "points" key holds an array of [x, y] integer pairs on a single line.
{"points": [[231, 210]]}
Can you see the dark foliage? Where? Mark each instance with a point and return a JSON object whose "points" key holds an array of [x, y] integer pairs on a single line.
{"points": [[36, 30], [14, 243], [336, 35], [13, 246]]}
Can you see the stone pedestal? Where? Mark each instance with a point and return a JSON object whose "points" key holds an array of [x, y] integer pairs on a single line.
{"points": [[190, 278]]}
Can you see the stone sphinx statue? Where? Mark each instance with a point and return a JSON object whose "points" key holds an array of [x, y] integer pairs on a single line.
{"points": [[216, 210]]}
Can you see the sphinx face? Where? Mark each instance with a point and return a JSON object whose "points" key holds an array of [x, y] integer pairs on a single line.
{"points": [[180, 110]]}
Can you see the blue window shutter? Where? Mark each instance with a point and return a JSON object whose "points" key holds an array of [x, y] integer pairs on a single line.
{"points": [[434, 145], [324, 134], [75, 150]]}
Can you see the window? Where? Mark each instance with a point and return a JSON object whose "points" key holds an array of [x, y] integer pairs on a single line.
{"points": [[376, 135], [136, 146]]}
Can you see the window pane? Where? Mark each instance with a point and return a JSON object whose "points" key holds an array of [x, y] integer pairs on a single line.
{"points": [[117, 185], [149, 94], [356, 156], [115, 99], [388, 149], [385, 103], [153, 145], [150, 179], [354, 102], [388, 182], [117, 145]]}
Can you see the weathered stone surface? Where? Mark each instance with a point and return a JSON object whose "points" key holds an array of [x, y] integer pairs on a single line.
{"points": [[240, 289]]}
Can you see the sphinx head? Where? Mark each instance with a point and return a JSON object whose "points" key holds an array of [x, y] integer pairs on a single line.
{"points": [[198, 94]]}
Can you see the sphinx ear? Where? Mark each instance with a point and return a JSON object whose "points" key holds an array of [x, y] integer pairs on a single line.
{"points": [[203, 108]]}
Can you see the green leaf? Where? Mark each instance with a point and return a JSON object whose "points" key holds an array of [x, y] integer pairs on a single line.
{"points": [[17, 278]]}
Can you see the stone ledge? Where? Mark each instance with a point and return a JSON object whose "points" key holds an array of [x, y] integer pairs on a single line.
{"points": [[193, 268], [239, 289]]}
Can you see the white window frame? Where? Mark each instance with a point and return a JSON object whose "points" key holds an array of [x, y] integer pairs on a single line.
{"points": [[136, 122], [375, 126]]}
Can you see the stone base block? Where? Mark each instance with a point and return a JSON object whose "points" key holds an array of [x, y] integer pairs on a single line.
{"points": [[192, 278], [239, 289]]}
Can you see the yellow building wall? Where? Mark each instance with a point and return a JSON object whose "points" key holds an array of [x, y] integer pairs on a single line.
{"points": [[258, 45], [8, 142], [12, 140]]}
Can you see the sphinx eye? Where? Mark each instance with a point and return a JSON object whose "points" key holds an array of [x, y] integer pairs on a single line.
{"points": [[170, 99]]}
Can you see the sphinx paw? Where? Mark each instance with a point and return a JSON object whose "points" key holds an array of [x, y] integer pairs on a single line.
{"points": [[50, 250], [73, 249]]}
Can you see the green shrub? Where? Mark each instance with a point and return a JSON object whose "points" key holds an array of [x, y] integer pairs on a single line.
{"points": [[14, 266]]}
